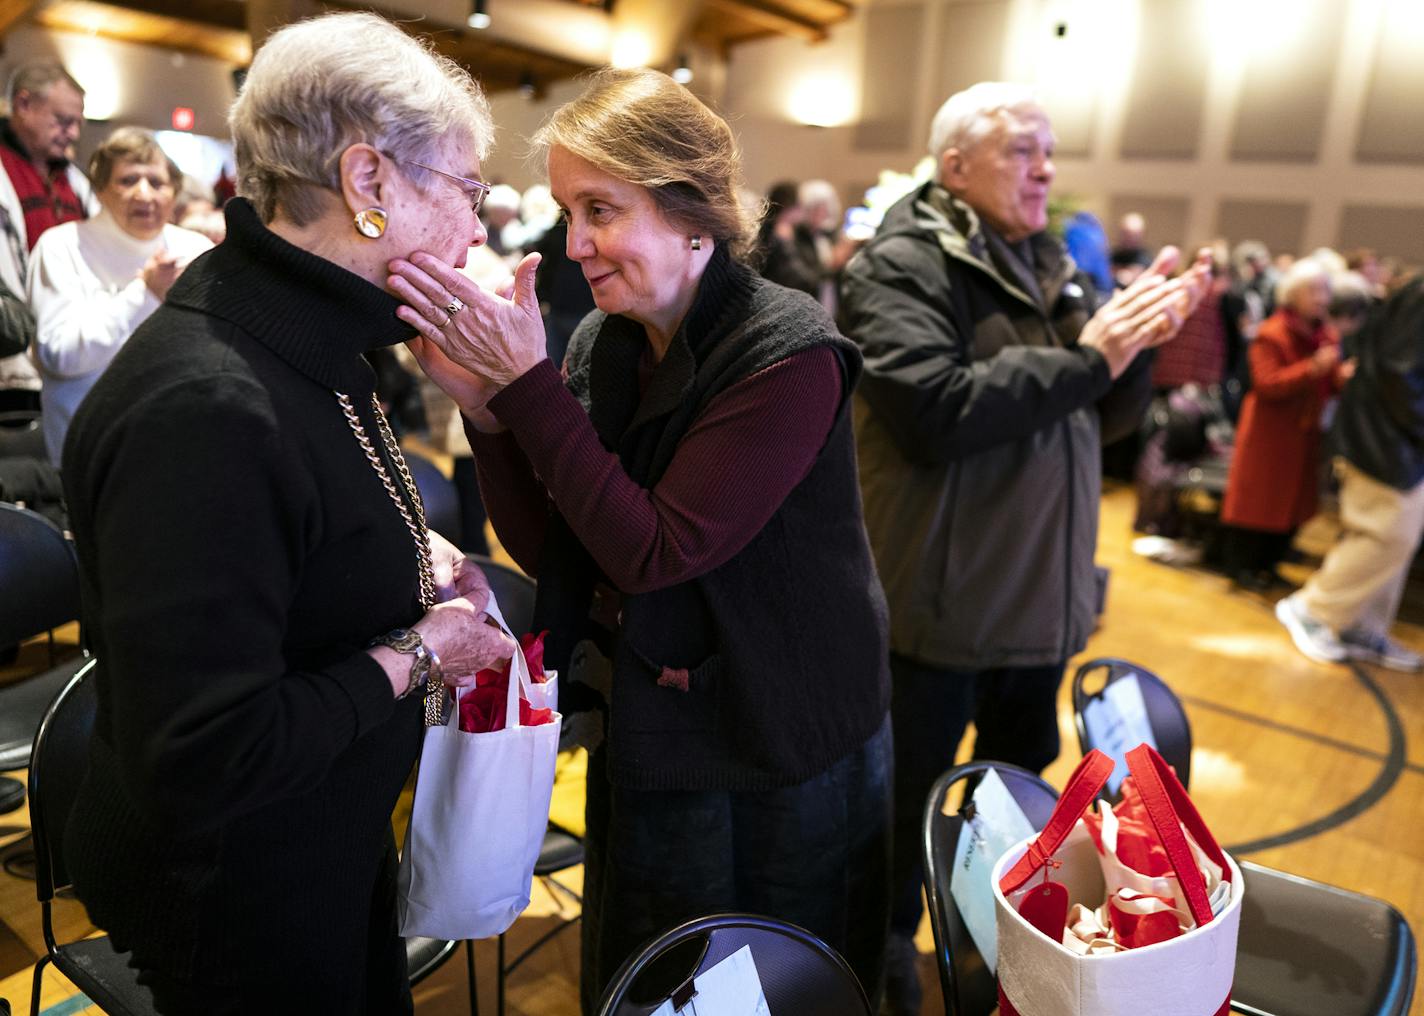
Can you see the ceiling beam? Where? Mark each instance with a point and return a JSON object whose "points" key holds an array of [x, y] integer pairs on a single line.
{"points": [[771, 18], [12, 12]]}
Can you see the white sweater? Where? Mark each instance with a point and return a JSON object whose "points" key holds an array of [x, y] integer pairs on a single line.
{"points": [[88, 298]]}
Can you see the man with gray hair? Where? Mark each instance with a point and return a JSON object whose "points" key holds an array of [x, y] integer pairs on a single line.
{"points": [[39, 188], [992, 377]]}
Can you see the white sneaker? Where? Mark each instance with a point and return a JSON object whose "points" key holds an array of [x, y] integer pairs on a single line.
{"points": [[1312, 637], [1380, 649]]}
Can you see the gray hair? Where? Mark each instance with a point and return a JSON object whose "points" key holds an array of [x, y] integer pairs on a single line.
{"points": [[818, 194], [317, 87], [1247, 251], [133, 143], [1300, 274], [967, 117], [37, 77]]}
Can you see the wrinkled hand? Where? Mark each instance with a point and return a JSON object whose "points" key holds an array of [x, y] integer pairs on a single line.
{"points": [[495, 339], [1345, 371], [470, 393], [465, 639], [159, 273], [1324, 359], [1149, 312], [456, 575]]}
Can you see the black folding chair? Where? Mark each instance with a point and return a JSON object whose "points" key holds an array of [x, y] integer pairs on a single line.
{"points": [[437, 494], [798, 972], [57, 766], [1304, 948], [39, 584], [968, 984]]}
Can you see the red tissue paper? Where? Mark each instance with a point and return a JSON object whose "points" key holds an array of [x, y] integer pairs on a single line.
{"points": [[482, 707]]}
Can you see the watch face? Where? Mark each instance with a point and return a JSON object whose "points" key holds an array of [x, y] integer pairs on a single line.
{"points": [[403, 640]]}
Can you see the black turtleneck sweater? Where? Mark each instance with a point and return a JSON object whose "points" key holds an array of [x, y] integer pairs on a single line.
{"points": [[237, 553]]}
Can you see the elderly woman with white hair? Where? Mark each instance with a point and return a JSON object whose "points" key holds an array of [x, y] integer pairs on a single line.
{"points": [[1275, 468], [261, 592]]}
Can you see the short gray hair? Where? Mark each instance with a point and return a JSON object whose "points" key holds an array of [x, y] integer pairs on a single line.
{"points": [[319, 86], [1300, 274], [967, 117], [37, 77]]}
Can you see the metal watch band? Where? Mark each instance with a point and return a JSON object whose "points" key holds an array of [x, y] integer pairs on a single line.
{"points": [[407, 641]]}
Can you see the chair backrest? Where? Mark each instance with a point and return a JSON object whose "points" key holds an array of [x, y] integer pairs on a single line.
{"points": [[39, 575], [438, 495], [1165, 715], [968, 985], [21, 436], [58, 762], [798, 972], [513, 589]]}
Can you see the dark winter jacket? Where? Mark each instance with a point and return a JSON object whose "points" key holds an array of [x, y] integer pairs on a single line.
{"points": [[1379, 426], [979, 422]]}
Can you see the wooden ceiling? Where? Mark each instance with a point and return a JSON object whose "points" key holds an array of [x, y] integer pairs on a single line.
{"points": [[224, 29]]}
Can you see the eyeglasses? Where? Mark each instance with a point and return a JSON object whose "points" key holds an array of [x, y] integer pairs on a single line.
{"points": [[481, 189]]}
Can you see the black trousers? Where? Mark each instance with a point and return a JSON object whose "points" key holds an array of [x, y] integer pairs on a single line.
{"points": [[815, 854], [1014, 710], [373, 984]]}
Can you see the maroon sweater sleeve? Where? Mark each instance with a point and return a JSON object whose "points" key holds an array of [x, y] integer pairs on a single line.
{"points": [[735, 465]]}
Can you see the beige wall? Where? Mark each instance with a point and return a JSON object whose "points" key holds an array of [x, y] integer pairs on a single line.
{"points": [[1297, 121], [139, 84], [1275, 118]]}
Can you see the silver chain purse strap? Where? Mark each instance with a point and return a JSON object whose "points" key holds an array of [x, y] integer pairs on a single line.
{"points": [[414, 522]]}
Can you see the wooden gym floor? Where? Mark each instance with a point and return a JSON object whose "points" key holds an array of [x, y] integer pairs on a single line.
{"points": [[1325, 761]]}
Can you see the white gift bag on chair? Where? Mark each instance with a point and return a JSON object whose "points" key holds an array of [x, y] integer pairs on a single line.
{"points": [[478, 820], [1190, 975]]}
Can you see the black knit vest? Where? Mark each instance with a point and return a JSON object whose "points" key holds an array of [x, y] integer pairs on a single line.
{"points": [[768, 669]]}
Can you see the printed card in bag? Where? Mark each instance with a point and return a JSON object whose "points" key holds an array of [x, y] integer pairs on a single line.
{"points": [[1117, 722], [997, 824], [731, 988]]}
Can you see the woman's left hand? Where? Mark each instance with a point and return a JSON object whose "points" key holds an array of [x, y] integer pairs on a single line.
{"points": [[455, 575], [496, 339]]}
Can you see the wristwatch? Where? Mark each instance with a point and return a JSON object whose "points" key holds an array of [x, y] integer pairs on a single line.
{"points": [[407, 641]]}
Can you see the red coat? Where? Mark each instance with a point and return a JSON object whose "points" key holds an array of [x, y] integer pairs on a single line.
{"points": [[1275, 467]]}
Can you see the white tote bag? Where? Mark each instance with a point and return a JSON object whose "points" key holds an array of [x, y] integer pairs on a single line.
{"points": [[1190, 975], [477, 822]]}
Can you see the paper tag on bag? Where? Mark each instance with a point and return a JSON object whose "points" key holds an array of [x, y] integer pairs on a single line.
{"points": [[731, 988], [1117, 722], [998, 823]]}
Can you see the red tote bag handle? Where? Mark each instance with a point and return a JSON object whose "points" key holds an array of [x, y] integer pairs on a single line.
{"points": [[1083, 786], [1169, 808]]}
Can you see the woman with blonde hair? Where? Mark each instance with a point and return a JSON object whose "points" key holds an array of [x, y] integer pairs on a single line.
{"points": [[686, 495], [260, 591]]}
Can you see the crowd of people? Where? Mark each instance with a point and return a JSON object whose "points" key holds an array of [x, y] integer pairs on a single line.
{"points": [[803, 502]]}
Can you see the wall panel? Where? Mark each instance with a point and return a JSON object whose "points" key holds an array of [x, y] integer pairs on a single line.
{"points": [[1286, 86], [1390, 230], [1391, 123], [890, 78], [1164, 106], [1280, 225]]}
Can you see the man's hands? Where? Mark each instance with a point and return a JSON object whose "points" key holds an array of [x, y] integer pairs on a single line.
{"points": [[1149, 312]]}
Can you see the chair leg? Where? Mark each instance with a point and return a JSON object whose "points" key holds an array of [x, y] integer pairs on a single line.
{"points": [[470, 973], [35, 987], [499, 988]]}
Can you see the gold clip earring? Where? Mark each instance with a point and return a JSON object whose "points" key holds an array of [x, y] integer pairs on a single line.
{"points": [[371, 222], [696, 243]]}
